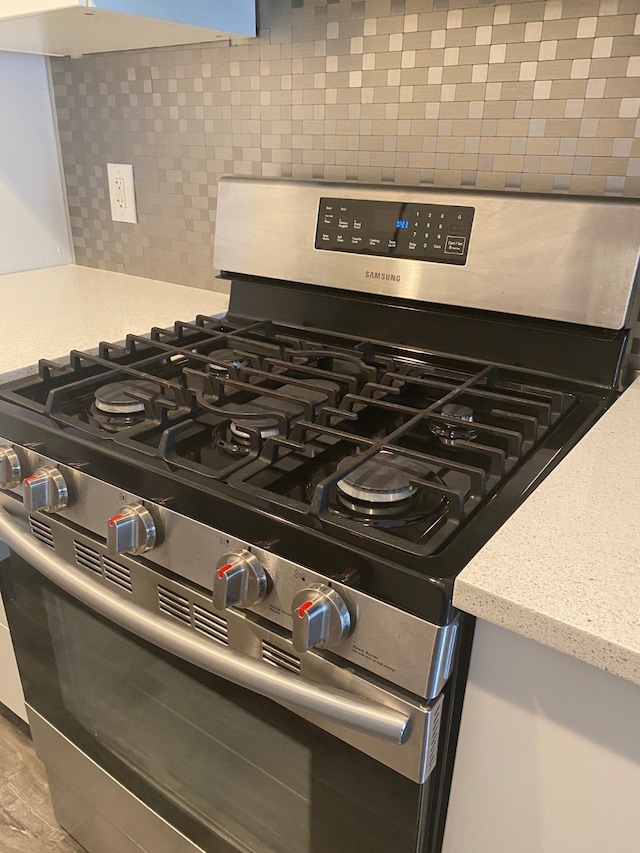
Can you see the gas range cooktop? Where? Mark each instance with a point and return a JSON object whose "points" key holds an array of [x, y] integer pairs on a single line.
{"points": [[398, 448]]}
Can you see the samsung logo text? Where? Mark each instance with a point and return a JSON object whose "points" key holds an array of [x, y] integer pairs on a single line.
{"points": [[382, 276]]}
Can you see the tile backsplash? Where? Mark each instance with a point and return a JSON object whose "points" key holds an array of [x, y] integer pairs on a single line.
{"points": [[533, 95]]}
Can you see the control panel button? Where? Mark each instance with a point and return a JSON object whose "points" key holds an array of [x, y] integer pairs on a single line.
{"points": [[45, 490], [10, 468], [454, 245], [239, 581], [321, 619], [131, 531]]}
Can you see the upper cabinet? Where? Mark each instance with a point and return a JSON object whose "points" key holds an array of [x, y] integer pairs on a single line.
{"points": [[75, 27]]}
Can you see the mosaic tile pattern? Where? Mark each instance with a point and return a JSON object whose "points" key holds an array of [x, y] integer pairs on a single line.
{"points": [[534, 95]]}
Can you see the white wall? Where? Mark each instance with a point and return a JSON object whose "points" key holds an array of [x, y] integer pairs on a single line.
{"points": [[549, 754], [34, 231]]}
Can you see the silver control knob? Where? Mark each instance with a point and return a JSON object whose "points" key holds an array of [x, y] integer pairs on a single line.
{"points": [[321, 619], [45, 490], [10, 468], [131, 531], [239, 581]]}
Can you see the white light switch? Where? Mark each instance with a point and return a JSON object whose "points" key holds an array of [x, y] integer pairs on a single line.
{"points": [[122, 192]]}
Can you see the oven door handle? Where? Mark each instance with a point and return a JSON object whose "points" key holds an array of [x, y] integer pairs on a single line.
{"points": [[334, 705]]}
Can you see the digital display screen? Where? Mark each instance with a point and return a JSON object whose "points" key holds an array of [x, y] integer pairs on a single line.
{"points": [[402, 223]]}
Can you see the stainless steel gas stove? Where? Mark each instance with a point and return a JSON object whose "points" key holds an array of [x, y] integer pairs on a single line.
{"points": [[231, 588]]}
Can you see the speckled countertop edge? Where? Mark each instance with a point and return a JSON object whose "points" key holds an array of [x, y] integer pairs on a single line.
{"points": [[49, 312], [565, 568]]}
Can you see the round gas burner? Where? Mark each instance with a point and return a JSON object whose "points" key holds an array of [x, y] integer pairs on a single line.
{"points": [[459, 411], [460, 428], [241, 429], [412, 508], [115, 408], [119, 398], [221, 358], [234, 439], [384, 479]]}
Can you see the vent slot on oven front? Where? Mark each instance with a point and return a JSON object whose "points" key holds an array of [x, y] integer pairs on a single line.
{"points": [[100, 564], [87, 557], [114, 572], [434, 737], [211, 624], [42, 531], [278, 657], [173, 604]]}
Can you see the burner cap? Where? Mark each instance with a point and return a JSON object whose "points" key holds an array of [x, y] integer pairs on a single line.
{"points": [[381, 480], [457, 410], [117, 397], [459, 429], [219, 358], [266, 429]]}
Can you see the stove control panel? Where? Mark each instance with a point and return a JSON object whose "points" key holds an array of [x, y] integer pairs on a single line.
{"points": [[438, 233], [315, 612]]}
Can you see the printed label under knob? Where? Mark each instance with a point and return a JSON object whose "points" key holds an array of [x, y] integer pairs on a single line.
{"points": [[10, 468], [321, 619], [45, 490], [131, 531], [239, 581]]}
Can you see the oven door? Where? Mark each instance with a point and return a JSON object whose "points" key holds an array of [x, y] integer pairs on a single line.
{"points": [[147, 751]]}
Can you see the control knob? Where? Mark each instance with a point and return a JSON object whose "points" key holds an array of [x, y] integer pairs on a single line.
{"points": [[131, 531], [321, 619], [45, 490], [10, 468], [239, 581]]}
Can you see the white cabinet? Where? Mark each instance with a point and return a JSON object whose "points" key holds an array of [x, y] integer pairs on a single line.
{"points": [[33, 206], [548, 759], [75, 27], [10, 688]]}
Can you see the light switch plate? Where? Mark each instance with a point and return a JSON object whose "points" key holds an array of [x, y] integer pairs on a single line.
{"points": [[122, 192]]}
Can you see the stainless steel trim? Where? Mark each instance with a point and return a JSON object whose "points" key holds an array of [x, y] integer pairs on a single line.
{"points": [[556, 257], [385, 640], [94, 808], [337, 706]]}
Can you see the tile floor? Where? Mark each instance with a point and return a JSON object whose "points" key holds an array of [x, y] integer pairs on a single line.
{"points": [[27, 823]]}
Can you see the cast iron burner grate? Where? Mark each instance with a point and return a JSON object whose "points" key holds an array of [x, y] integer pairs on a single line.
{"points": [[358, 439]]}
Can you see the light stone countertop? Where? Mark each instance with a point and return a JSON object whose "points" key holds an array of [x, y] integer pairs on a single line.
{"points": [[49, 312], [565, 568]]}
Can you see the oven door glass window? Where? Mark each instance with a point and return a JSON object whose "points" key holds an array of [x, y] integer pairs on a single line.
{"points": [[215, 760]]}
